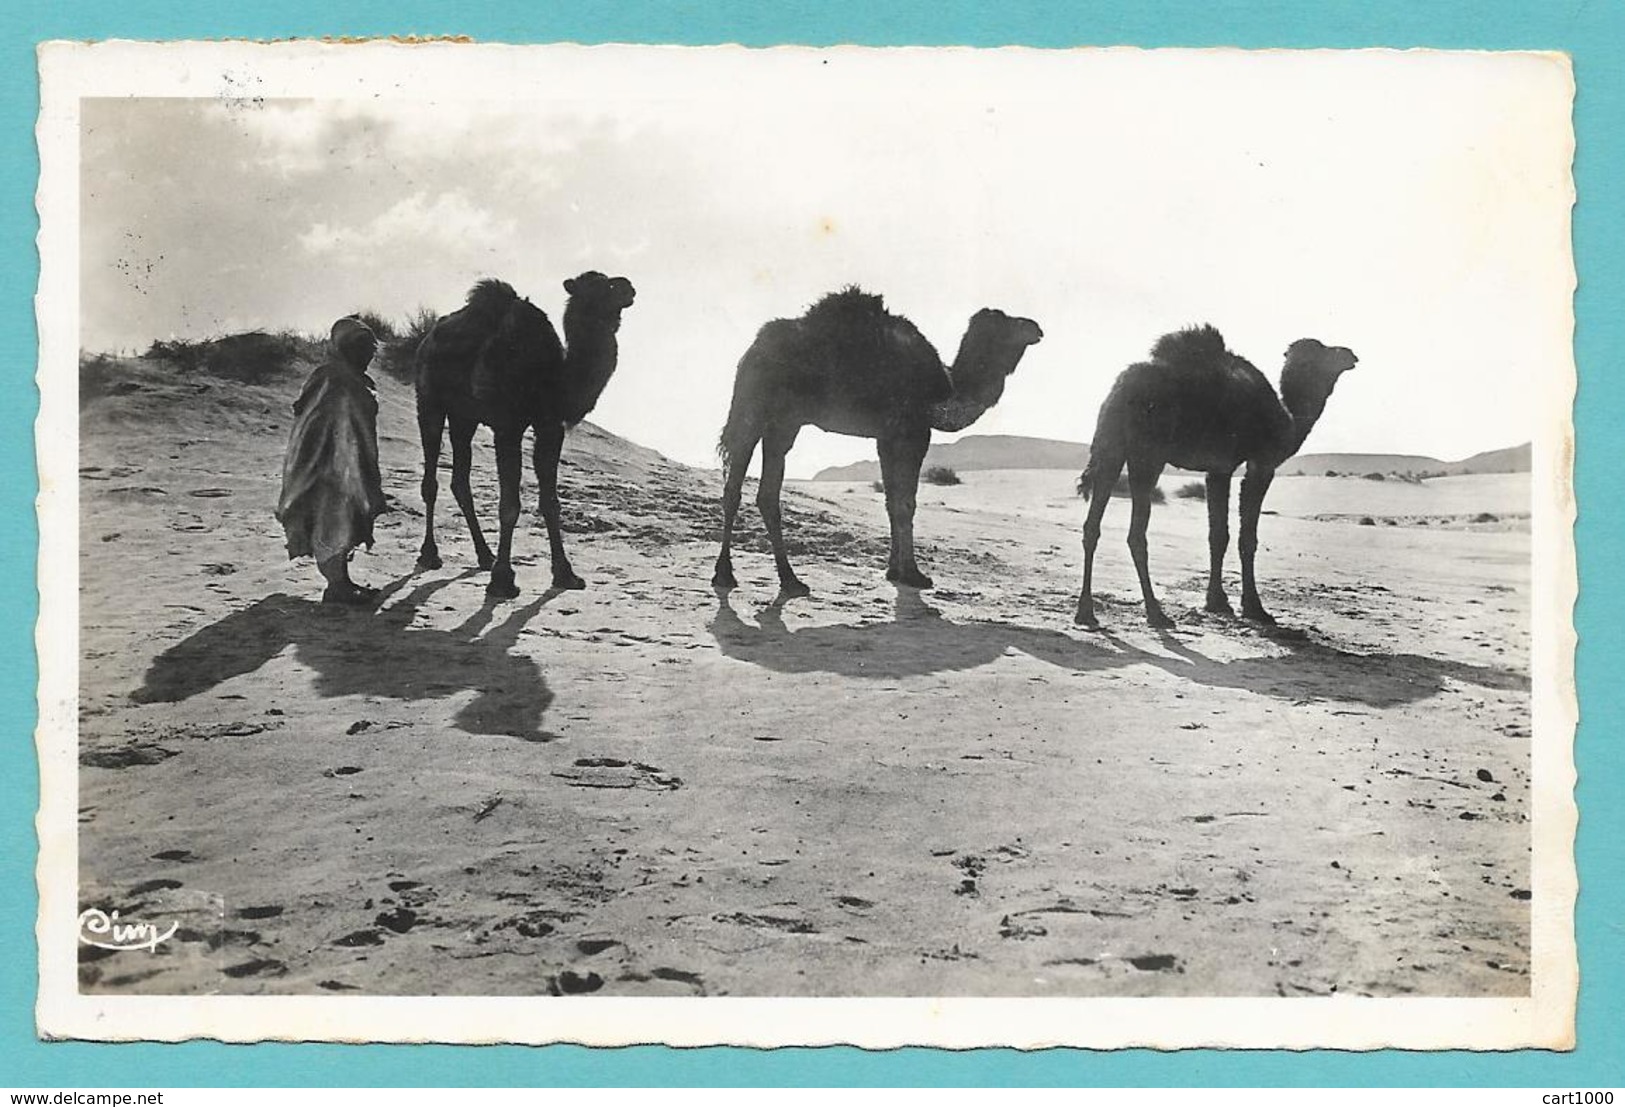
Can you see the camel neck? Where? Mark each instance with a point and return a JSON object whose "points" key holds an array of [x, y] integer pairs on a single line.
{"points": [[1305, 409], [589, 361], [978, 382]]}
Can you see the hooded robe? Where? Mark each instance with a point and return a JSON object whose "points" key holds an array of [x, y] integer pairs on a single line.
{"points": [[331, 488]]}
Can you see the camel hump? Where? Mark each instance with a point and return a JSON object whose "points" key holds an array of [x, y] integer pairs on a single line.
{"points": [[491, 297], [850, 308], [1192, 348]]}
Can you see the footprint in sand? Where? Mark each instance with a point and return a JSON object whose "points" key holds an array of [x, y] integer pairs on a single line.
{"points": [[399, 921], [612, 772], [1156, 962], [127, 756], [768, 922], [261, 966], [569, 983]]}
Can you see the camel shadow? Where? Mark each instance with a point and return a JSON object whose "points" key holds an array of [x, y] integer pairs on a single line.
{"points": [[378, 654], [1315, 669], [920, 641]]}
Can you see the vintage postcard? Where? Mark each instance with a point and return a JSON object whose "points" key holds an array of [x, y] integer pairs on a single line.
{"points": [[779, 547]]}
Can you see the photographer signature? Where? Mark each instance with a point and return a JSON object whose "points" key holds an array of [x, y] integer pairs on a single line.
{"points": [[105, 931]]}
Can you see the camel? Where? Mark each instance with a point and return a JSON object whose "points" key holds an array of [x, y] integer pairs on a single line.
{"points": [[851, 367], [1195, 405], [498, 361]]}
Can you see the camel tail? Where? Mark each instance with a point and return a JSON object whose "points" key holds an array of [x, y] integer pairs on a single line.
{"points": [[728, 440], [1086, 479]]}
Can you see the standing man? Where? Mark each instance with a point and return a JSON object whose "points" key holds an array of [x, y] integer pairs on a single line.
{"points": [[331, 490]]}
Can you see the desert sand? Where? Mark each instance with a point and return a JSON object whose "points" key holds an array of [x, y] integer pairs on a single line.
{"points": [[647, 789]]}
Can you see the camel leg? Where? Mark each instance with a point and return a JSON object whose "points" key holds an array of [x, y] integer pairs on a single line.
{"points": [[1102, 480], [1218, 541], [1254, 485], [1142, 478], [510, 471], [900, 460], [774, 446], [545, 458], [462, 463], [431, 429], [739, 454]]}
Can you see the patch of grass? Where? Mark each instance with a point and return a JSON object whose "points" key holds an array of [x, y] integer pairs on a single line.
{"points": [[252, 357], [1486, 517], [380, 327], [98, 377], [940, 474], [396, 357], [1195, 490], [1375, 476], [1333, 473], [1367, 521], [878, 486], [1120, 489]]}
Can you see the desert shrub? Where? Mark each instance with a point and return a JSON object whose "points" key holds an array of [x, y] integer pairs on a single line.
{"points": [[1375, 476], [1367, 521], [878, 486], [382, 328], [1333, 473], [98, 377], [1120, 488], [184, 355], [1486, 517], [396, 356], [940, 474], [1195, 490], [251, 357]]}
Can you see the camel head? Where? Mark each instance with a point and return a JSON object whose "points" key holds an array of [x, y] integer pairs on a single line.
{"points": [[1312, 369], [1307, 380], [598, 298], [989, 352], [992, 346]]}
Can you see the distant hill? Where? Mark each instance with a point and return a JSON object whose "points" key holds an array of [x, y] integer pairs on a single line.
{"points": [[981, 451], [1513, 459], [1014, 451], [1314, 465]]}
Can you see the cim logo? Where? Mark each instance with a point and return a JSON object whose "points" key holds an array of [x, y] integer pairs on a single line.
{"points": [[105, 931]]}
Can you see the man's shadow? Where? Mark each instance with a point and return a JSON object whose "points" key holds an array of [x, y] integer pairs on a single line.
{"points": [[371, 654], [920, 641]]}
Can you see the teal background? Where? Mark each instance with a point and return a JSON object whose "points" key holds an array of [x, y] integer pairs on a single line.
{"points": [[1593, 31]]}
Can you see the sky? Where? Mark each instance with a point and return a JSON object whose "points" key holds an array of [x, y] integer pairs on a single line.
{"points": [[1411, 206]]}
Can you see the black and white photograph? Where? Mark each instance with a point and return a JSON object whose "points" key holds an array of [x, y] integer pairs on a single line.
{"points": [[806, 545]]}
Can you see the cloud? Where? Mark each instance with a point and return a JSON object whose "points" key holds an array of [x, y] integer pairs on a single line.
{"points": [[449, 220]]}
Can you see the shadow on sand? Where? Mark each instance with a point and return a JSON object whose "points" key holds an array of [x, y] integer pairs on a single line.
{"points": [[919, 641], [371, 654]]}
